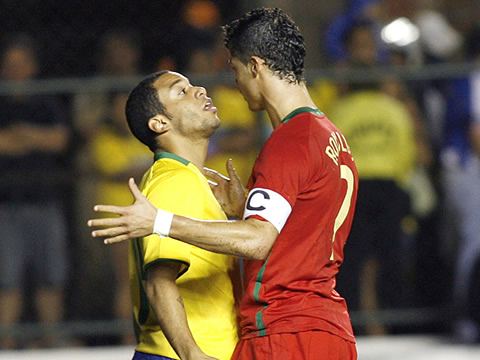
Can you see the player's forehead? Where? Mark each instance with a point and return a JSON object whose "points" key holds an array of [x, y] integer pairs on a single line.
{"points": [[169, 80]]}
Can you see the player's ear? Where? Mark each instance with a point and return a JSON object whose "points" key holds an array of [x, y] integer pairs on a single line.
{"points": [[159, 124], [254, 65]]}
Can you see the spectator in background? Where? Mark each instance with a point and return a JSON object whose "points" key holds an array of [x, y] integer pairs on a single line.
{"points": [[119, 54], [460, 161], [426, 269], [381, 135], [325, 92], [34, 139], [199, 29], [116, 156], [373, 11], [424, 198]]}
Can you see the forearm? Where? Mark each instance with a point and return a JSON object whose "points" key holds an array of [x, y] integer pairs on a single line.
{"points": [[251, 239], [168, 306]]}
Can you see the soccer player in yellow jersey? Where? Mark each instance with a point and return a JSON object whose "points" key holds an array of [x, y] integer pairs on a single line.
{"points": [[182, 296]]}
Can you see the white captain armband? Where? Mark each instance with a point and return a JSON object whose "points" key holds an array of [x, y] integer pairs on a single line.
{"points": [[269, 205], [163, 223]]}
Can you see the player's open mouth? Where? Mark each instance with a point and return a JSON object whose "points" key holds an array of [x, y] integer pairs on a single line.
{"points": [[209, 106]]}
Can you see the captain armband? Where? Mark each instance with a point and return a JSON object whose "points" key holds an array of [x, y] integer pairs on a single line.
{"points": [[268, 204]]}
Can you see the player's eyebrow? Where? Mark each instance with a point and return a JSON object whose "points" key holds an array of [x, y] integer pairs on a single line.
{"points": [[174, 83]]}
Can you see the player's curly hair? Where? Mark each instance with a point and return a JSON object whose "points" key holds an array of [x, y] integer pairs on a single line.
{"points": [[270, 34], [143, 103]]}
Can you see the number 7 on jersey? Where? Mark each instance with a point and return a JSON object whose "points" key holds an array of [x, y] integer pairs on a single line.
{"points": [[346, 174]]}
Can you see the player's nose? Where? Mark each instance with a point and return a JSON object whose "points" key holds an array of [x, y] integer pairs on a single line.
{"points": [[200, 92]]}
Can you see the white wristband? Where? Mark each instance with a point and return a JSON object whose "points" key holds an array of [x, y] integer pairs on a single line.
{"points": [[163, 222]]}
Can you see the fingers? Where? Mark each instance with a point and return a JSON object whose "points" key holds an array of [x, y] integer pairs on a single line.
{"points": [[114, 224], [109, 208], [229, 166], [115, 232], [116, 239], [109, 232], [213, 184], [215, 175], [231, 170], [105, 222]]}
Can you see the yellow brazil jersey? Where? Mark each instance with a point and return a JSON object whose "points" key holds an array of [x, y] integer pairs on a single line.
{"points": [[380, 132], [176, 185]]}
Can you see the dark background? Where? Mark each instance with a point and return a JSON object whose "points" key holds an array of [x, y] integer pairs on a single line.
{"points": [[68, 30]]}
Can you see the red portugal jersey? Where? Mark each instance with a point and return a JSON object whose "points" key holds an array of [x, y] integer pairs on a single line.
{"points": [[305, 183]]}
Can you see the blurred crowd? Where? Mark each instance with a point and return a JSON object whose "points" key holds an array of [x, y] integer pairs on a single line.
{"points": [[415, 241]]}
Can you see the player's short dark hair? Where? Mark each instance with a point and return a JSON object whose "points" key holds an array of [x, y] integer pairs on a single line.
{"points": [[271, 35], [143, 103]]}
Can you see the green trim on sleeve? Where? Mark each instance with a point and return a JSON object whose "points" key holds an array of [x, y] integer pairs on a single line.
{"points": [[184, 269], [144, 307], [162, 155], [302, 110], [259, 316]]}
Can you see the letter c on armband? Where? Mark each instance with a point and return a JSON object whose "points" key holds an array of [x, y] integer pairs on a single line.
{"points": [[257, 208], [268, 204]]}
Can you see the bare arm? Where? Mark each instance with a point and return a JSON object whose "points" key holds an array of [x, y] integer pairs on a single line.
{"points": [[167, 303], [252, 238]]}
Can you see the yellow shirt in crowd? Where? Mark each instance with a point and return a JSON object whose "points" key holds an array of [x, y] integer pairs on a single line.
{"points": [[380, 133], [116, 157]]}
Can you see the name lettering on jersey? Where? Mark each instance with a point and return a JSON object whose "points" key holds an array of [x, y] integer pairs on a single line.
{"points": [[337, 144]]}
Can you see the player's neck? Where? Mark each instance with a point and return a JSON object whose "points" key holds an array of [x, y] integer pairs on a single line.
{"points": [[192, 150], [281, 98]]}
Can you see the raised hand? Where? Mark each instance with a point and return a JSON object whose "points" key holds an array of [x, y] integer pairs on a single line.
{"points": [[134, 221], [229, 191]]}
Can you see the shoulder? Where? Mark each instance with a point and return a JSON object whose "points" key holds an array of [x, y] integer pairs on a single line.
{"points": [[182, 190], [295, 144], [299, 136], [170, 176]]}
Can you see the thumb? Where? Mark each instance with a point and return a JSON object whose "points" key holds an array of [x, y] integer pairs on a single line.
{"points": [[134, 189]]}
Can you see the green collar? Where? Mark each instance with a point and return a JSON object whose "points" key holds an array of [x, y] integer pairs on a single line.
{"points": [[302, 110], [162, 155]]}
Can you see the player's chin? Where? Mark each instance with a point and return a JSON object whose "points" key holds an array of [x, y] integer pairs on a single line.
{"points": [[209, 129], [254, 105], [217, 122]]}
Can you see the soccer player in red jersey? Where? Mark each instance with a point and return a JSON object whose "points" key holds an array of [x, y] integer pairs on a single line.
{"points": [[298, 212]]}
